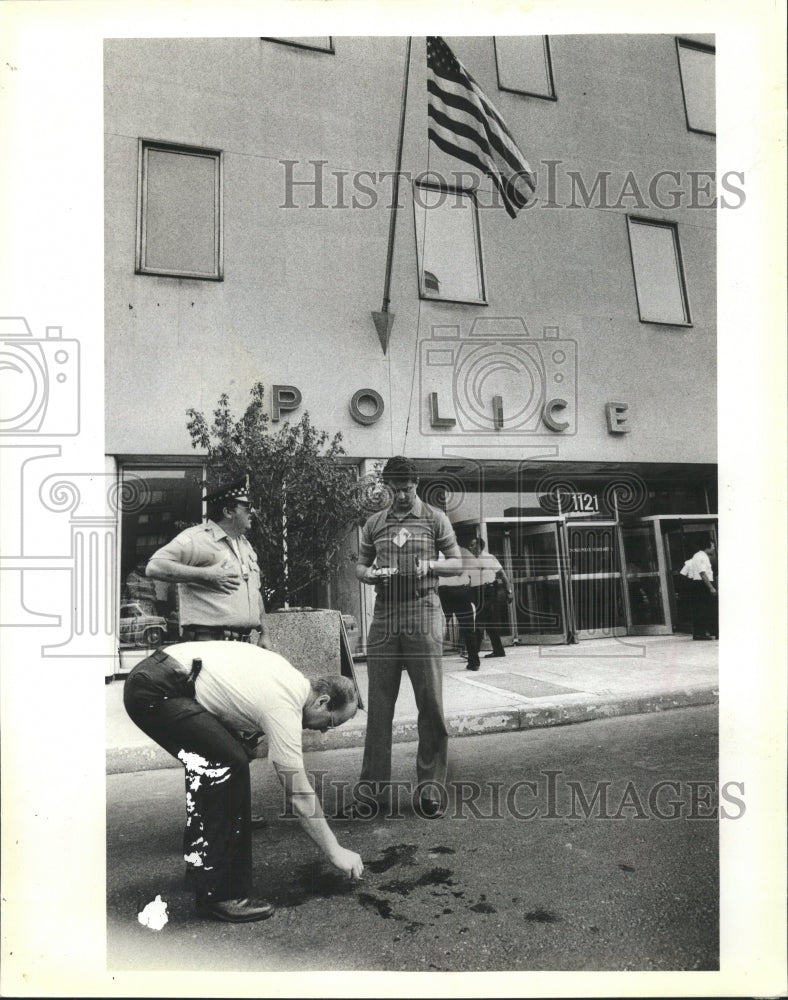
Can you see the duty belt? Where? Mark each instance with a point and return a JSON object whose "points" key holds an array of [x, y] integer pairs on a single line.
{"points": [[205, 633]]}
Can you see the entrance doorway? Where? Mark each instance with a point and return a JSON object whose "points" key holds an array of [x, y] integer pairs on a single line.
{"points": [[596, 581], [532, 554], [681, 538], [646, 587]]}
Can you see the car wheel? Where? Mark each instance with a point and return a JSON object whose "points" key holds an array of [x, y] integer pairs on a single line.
{"points": [[154, 636]]}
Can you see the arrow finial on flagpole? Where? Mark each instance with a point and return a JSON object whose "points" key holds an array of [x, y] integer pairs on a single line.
{"points": [[384, 320], [383, 324]]}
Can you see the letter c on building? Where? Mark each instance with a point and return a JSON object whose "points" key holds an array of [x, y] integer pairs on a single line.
{"points": [[549, 419], [355, 406]]}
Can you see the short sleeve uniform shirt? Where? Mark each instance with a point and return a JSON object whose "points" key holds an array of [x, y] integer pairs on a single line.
{"points": [[205, 545], [699, 564]]}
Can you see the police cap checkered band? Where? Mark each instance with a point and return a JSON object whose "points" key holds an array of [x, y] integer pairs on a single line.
{"points": [[237, 490]]}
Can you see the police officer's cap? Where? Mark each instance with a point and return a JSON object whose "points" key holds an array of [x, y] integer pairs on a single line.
{"points": [[235, 492]]}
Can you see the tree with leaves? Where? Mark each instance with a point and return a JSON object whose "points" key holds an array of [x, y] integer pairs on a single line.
{"points": [[307, 500]]}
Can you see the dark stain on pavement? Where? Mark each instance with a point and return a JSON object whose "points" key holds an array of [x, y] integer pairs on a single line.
{"points": [[441, 850], [483, 907], [381, 906], [436, 876], [626, 868], [312, 884], [542, 916], [397, 854]]}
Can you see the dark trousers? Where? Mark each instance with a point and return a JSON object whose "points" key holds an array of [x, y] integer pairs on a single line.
{"points": [[217, 840], [456, 601], [408, 636], [491, 616], [704, 610]]}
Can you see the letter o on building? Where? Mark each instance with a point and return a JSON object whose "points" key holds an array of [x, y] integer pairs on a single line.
{"points": [[367, 415]]}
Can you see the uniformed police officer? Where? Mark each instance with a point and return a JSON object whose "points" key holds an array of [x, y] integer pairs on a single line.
{"points": [[403, 541], [216, 571]]}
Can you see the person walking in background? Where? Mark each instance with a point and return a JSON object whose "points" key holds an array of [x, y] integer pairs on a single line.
{"points": [[491, 592], [703, 593], [455, 597], [403, 542]]}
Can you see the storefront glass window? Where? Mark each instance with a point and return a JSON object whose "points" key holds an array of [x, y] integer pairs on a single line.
{"points": [[157, 505]]}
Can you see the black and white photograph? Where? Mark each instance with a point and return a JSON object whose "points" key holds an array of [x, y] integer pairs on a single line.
{"points": [[408, 472]]}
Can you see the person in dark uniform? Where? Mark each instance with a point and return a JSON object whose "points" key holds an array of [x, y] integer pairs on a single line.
{"points": [[195, 700], [403, 542], [703, 594], [455, 597], [491, 595], [216, 572]]}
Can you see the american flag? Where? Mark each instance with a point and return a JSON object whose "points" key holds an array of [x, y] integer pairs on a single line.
{"points": [[463, 123]]}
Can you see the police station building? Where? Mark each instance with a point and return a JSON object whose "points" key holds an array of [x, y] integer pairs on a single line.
{"points": [[552, 374]]}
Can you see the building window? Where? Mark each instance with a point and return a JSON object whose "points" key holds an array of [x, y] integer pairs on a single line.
{"points": [[179, 211], [659, 275], [448, 247], [320, 43], [171, 500], [696, 69], [524, 65]]}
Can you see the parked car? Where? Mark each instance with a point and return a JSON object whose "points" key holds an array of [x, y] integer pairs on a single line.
{"points": [[138, 628]]}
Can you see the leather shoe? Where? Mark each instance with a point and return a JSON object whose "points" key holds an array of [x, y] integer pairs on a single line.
{"points": [[237, 911], [431, 808], [490, 656], [258, 822], [473, 666]]}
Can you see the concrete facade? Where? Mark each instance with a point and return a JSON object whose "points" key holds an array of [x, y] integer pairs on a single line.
{"points": [[299, 283], [306, 138]]}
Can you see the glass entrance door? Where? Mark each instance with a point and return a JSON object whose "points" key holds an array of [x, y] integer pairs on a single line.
{"points": [[535, 553], [645, 576], [682, 539], [596, 580]]}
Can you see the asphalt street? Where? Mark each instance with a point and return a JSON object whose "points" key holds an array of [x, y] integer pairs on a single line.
{"points": [[596, 864]]}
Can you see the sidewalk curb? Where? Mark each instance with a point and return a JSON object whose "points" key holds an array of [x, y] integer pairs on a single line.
{"points": [[149, 757]]}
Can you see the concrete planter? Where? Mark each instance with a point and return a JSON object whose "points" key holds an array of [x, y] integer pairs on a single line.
{"points": [[308, 638]]}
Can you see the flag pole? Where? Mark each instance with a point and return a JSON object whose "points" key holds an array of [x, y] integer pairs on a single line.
{"points": [[384, 320]]}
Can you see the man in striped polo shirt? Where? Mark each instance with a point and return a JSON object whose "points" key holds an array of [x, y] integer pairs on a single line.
{"points": [[399, 557]]}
